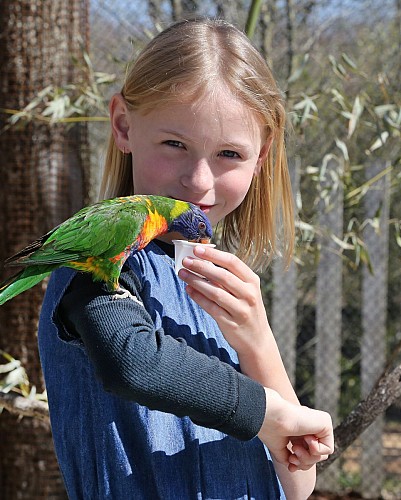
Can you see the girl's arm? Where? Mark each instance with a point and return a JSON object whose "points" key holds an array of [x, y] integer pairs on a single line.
{"points": [[138, 362], [231, 295]]}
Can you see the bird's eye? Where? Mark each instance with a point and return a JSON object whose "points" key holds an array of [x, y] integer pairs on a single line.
{"points": [[202, 226]]}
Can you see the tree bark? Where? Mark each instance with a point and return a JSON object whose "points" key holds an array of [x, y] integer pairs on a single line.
{"points": [[44, 180]]}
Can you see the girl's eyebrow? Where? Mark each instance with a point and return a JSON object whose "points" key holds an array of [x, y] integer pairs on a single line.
{"points": [[224, 143], [174, 132], [237, 145]]}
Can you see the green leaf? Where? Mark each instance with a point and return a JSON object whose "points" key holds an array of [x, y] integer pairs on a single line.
{"points": [[56, 109], [87, 59], [14, 378], [365, 258], [343, 147], [357, 110], [8, 367], [104, 78], [338, 97], [338, 69], [398, 234], [341, 243], [379, 142], [383, 109], [348, 61], [298, 72], [308, 108]]}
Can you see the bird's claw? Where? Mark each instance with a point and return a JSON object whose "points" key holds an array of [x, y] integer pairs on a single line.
{"points": [[122, 293]]}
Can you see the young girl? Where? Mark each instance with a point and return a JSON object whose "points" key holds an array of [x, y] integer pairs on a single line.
{"points": [[179, 391]]}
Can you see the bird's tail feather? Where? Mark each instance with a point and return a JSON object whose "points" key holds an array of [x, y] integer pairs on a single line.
{"points": [[22, 281]]}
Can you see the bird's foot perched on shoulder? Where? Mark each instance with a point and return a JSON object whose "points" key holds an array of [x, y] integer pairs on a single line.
{"points": [[122, 293]]}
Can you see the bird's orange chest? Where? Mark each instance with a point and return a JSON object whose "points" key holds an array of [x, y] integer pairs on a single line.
{"points": [[154, 225]]}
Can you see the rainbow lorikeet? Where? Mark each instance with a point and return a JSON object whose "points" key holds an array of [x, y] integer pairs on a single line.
{"points": [[99, 238]]}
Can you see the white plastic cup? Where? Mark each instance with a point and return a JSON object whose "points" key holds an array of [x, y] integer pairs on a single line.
{"points": [[184, 249]]}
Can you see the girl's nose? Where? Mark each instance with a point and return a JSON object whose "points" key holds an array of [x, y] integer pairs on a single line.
{"points": [[198, 177]]}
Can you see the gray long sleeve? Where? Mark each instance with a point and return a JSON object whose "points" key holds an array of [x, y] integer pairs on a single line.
{"points": [[139, 363]]}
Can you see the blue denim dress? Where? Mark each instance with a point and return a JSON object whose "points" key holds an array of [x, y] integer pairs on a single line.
{"points": [[110, 448]]}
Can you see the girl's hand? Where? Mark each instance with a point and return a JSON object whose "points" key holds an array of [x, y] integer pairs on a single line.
{"points": [[298, 437], [231, 295]]}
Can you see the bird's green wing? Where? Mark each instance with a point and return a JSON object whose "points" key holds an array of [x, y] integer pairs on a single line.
{"points": [[104, 229]]}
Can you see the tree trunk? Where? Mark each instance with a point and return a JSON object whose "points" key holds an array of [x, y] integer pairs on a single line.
{"points": [[43, 173]]}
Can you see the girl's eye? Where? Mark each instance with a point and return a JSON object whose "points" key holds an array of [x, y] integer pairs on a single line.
{"points": [[175, 144], [229, 154]]}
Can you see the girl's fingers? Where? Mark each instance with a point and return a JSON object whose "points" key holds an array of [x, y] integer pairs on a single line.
{"points": [[217, 311], [320, 446], [214, 274], [225, 271], [225, 260], [212, 290], [302, 458], [219, 285], [231, 310]]}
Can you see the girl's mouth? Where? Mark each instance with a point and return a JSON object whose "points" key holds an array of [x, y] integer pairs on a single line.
{"points": [[205, 208]]}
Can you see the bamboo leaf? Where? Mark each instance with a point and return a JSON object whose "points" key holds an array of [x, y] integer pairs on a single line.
{"points": [[348, 61], [398, 234], [343, 147], [365, 258], [379, 142], [298, 72], [382, 110], [357, 110], [338, 69], [57, 108], [338, 97], [15, 378], [8, 367], [104, 78], [341, 243]]}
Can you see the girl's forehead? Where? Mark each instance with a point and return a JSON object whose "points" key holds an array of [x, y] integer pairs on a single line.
{"points": [[214, 103], [219, 99], [216, 115]]}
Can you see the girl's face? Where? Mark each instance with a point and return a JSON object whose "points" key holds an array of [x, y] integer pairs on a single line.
{"points": [[205, 153]]}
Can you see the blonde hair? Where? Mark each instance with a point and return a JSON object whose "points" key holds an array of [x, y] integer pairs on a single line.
{"points": [[187, 60]]}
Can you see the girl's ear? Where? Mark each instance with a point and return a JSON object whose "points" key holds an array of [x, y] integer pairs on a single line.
{"points": [[264, 151], [119, 122]]}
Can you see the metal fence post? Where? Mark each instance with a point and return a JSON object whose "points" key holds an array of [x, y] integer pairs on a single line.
{"points": [[284, 307], [374, 309], [329, 302]]}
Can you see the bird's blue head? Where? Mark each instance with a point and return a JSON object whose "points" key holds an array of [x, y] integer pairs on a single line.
{"points": [[192, 224]]}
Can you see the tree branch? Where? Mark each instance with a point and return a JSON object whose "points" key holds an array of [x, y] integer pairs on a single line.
{"points": [[253, 16], [384, 393], [24, 407]]}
